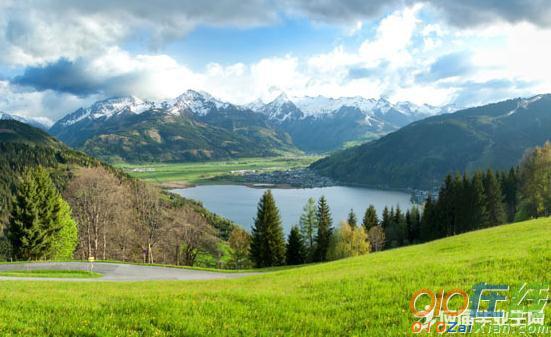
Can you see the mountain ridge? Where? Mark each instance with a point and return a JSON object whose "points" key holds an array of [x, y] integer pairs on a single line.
{"points": [[420, 154]]}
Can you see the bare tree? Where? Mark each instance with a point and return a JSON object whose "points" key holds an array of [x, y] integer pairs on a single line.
{"points": [[240, 243], [146, 201], [189, 234], [376, 237], [97, 200]]}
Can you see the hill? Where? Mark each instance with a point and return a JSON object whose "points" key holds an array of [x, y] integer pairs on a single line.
{"points": [[23, 146], [362, 296], [422, 153]]}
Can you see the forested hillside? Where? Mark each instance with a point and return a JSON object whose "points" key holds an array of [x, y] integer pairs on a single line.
{"points": [[87, 184], [422, 153]]}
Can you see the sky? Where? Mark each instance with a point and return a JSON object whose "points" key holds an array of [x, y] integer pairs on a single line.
{"points": [[59, 55]]}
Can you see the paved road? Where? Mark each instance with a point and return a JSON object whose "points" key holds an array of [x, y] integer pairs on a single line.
{"points": [[118, 272]]}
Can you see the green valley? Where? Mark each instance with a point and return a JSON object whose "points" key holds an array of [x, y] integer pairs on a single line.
{"points": [[213, 171]]}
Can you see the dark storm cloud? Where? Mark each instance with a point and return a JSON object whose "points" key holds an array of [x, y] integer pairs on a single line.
{"points": [[63, 76], [460, 13]]}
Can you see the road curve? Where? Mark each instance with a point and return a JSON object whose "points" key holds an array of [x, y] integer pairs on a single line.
{"points": [[117, 272]]}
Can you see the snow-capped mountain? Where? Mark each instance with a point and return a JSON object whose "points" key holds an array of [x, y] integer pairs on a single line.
{"points": [[320, 106], [41, 124], [196, 102], [313, 124], [107, 108]]}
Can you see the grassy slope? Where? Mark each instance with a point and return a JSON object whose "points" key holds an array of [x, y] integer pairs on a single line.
{"points": [[359, 296], [204, 171]]}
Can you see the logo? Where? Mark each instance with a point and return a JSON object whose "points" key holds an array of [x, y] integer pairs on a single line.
{"points": [[491, 308]]}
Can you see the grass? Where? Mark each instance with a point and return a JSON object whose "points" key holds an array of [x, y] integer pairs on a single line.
{"points": [[362, 296], [51, 273], [218, 171]]}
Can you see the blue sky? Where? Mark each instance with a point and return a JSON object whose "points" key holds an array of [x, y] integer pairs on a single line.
{"points": [[59, 55]]}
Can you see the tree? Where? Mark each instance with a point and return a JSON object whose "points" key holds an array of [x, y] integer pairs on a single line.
{"points": [[100, 205], [535, 185], [376, 237], [413, 221], [146, 201], [295, 248], [385, 222], [396, 231], [494, 200], [40, 225], [325, 230], [370, 218], [509, 187], [352, 219], [240, 244], [268, 244], [478, 215], [189, 235], [308, 225], [348, 241], [428, 221]]}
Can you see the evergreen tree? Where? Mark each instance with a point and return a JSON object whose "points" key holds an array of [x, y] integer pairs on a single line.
{"points": [[268, 243], [509, 187], [41, 226], [370, 218], [308, 225], [494, 200], [428, 221], [295, 247], [445, 209], [386, 218], [413, 221], [352, 219], [463, 204], [325, 230], [478, 215]]}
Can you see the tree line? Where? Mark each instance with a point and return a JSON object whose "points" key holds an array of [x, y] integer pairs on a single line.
{"points": [[464, 203], [107, 217]]}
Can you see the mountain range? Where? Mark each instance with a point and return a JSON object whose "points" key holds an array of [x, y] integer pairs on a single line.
{"points": [[420, 154], [197, 126], [30, 121]]}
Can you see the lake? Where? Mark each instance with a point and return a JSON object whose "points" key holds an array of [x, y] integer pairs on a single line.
{"points": [[238, 203]]}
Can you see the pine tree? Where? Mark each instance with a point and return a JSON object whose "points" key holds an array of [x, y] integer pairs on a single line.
{"points": [[308, 225], [478, 215], [386, 218], [41, 226], [413, 221], [494, 200], [325, 230], [445, 209], [268, 243], [370, 218], [509, 187], [428, 221], [352, 219], [295, 247]]}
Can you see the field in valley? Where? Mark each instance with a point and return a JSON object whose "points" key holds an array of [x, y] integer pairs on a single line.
{"points": [[363, 296], [212, 171]]}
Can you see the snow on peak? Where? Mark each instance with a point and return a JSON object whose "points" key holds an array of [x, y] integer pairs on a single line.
{"points": [[198, 102], [524, 103], [108, 108]]}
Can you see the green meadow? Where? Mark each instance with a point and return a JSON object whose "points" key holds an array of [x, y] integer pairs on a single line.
{"points": [[362, 296], [219, 171]]}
